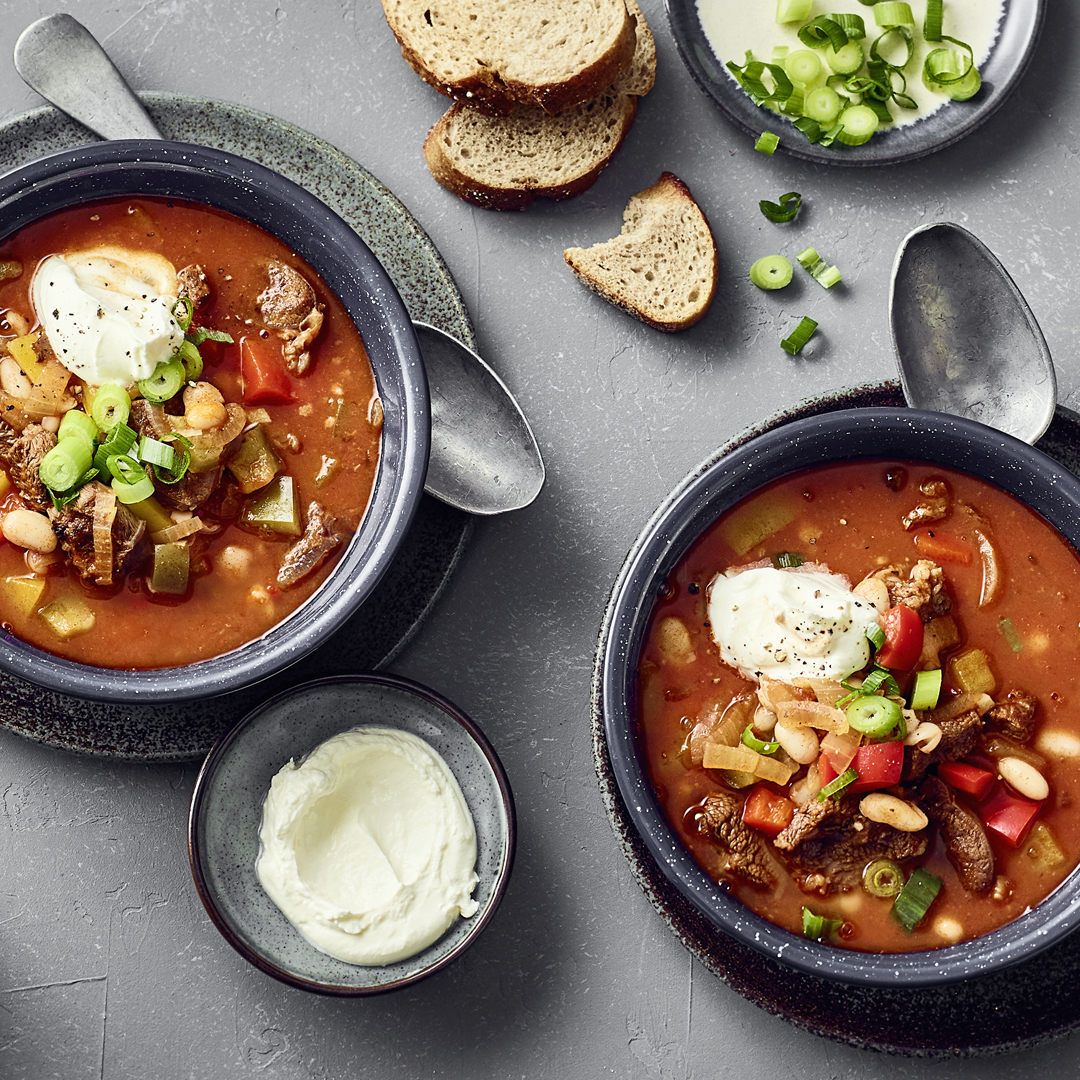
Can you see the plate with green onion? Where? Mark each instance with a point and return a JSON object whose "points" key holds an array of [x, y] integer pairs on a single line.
{"points": [[852, 82]]}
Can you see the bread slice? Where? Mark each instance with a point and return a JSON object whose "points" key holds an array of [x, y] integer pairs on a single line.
{"points": [[662, 267], [495, 53], [505, 162]]}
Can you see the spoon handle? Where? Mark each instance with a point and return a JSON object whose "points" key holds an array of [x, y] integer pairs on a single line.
{"points": [[60, 59]]}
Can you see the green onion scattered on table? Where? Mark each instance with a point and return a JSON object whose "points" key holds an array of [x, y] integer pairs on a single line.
{"points": [[799, 336]]}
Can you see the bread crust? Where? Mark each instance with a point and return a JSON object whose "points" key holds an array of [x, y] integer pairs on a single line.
{"points": [[487, 85], [663, 220]]}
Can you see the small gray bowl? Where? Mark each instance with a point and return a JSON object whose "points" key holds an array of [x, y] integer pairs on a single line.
{"points": [[226, 812]]}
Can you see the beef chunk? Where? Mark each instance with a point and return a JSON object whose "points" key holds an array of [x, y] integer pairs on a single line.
{"points": [[959, 737], [965, 841], [831, 843], [923, 590], [320, 537], [21, 454], [745, 853], [193, 285], [288, 306], [191, 492], [934, 507], [1014, 715], [74, 528]]}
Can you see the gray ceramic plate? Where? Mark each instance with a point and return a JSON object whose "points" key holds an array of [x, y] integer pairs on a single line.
{"points": [[428, 557], [226, 812], [1038, 997], [1008, 60]]}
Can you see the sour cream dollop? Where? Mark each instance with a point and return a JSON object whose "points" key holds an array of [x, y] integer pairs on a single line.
{"points": [[786, 624], [368, 846], [108, 313]]}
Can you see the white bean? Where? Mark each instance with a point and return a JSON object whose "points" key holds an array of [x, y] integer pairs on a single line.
{"points": [[764, 720], [673, 638], [29, 530], [12, 379], [889, 810], [801, 743], [1023, 778], [925, 736], [874, 591]]}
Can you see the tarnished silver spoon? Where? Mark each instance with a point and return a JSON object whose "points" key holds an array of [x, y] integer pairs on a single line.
{"points": [[966, 341], [484, 458]]}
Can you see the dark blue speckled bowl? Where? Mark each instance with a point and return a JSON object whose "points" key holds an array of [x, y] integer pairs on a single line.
{"points": [[316, 233], [1026, 473]]}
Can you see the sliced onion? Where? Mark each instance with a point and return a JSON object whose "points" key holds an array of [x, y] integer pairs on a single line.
{"points": [[992, 576], [104, 516], [177, 531]]}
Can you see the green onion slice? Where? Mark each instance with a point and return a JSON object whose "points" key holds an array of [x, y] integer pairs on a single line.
{"points": [[62, 467], [759, 745], [202, 333], [176, 472], [771, 272], [876, 636], [822, 31], [77, 423], [931, 27], [883, 877], [845, 61], [182, 312], [165, 383], [749, 77], [792, 10], [154, 452], [825, 275], [880, 679], [858, 123], [799, 336], [914, 900], [893, 13], [111, 406], [817, 927], [948, 72], [852, 25], [927, 690], [874, 715], [803, 66], [783, 211], [767, 142], [836, 786], [191, 358], [1013, 638], [787, 560], [130, 482]]}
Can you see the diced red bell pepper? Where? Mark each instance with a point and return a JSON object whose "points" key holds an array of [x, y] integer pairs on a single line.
{"points": [[967, 778], [825, 769], [903, 638], [943, 548], [767, 811], [878, 765], [262, 368], [1008, 815]]}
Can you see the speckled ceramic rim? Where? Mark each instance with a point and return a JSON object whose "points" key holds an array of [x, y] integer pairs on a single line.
{"points": [[1031, 476], [1009, 58], [205, 780], [346, 264]]}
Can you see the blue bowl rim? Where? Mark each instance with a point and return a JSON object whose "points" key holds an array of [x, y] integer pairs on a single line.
{"points": [[247, 189], [720, 482], [205, 779]]}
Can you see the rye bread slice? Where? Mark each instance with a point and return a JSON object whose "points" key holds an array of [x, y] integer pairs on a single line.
{"points": [[505, 162], [662, 267], [493, 54]]}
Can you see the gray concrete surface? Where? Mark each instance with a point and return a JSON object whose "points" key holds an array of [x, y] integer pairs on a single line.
{"points": [[109, 967]]}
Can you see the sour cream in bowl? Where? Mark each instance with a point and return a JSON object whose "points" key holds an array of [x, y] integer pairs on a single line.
{"points": [[387, 780]]}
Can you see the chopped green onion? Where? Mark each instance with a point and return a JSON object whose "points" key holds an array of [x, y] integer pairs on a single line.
{"points": [[874, 715], [876, 636], [845, 61], [825, 275], [119, 441], [822, 31], [181, 459], [771, 272], [883, 877], [130, 482], [191, 358], [931, 27], [153, 452], [767, 142], [822, 104], [853, 25], [792, 10], [947, 72], [834, 787], [77, 423], [165, 383], [893, 13], [201, 334], [749, 77], [784, 211], [803, 66], [787, 560], [914, 900], [858, 123], [880, 679], [817, 927], [927, 690], [65, 463], [759, 745], [182, 312], [1011, 636], [111, 406], [799, 336]]}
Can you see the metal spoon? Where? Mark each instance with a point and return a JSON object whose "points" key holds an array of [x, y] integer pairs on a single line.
{"points": [[484, 458], [966, 341]]}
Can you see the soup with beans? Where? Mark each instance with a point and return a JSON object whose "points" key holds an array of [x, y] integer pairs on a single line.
{"points": [[857, 699], [189, 432]]}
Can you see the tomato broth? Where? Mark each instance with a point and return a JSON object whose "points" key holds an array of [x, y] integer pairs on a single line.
{"points": [[849, 518], [327, 439]]}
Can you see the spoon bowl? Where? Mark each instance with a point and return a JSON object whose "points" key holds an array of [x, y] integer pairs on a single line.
{"points": [[966, 341], [484, 458]]}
